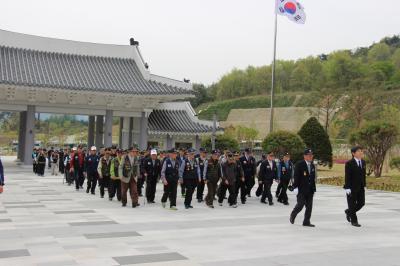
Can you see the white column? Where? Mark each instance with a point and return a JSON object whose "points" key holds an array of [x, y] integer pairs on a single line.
{"points": [[126, 125], [91, 124], [108, 128], [21, 135], [99, 131], [29, 134], [169, 143], [143, 136], [197, 144]]}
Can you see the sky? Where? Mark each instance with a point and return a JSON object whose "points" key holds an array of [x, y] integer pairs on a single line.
{"points": [[202, 40]]}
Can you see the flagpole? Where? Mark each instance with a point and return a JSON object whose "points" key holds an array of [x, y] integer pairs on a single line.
{"points": [[271, 121]]}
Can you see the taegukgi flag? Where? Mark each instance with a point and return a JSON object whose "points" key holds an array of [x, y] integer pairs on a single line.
{"points": [[291, 9]]}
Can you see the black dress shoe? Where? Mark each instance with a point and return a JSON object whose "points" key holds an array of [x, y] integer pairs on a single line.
{"points": [[291, 219], [286, 203], [347, 216], [309, 225], [264, 202], [356, 224], [271, 203]]}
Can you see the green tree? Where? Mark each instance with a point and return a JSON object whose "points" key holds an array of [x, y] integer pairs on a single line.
{"points": [[246, 134], [316, 138], [281, 142], [341, 69], [376, 137], [379, 52], [222, 142]]}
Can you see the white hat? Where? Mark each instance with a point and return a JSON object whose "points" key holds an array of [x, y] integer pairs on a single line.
{"points": [[93, 148], [153, 152], [74, 148]]}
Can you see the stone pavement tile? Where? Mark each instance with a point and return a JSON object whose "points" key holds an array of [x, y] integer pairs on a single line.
{"points": [[74, 211], [79, 246], [14, 253], [91, 223], [57, 263], [112, 235], [160, 257], [55, 199], [25, 206], [20, 202]]}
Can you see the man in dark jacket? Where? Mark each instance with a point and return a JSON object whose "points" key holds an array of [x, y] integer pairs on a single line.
{"points": [[304, 187], [200, 162], [151, 170], [61, 161], [188, 176], [268, 173], [91, 165], [77, 165], [285, 174], [240, 179], [229, 177], [249, 169], [41, 163], [169, 177], [355, 182], [211, 176]]}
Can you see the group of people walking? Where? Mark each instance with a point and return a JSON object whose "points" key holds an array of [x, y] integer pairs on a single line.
{"points": [[227, 175]]}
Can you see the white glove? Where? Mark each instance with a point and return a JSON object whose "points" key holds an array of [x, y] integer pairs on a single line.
{"points": [[296, 191], [348, 191]]}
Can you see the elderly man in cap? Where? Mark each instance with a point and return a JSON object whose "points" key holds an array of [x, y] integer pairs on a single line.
{"points": [[129, 178], [151, 171], [114, 188], [78, 167], [170, 177], [355, 182], [229, 178], [104, 171], [249, 168], [268, 173], [181, 159], [211, 176], [188, 177], [200, 161], [304, 187], [240, 179], [285, 174], [91, 165]]}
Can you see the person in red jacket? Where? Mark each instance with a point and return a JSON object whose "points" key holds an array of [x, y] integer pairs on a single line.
{"points": [[77, 166]]}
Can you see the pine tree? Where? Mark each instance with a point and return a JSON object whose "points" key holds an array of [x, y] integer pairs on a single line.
{"points": [[316, 138]]}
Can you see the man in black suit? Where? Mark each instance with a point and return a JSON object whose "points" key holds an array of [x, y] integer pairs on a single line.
{"points": [[268, 173], [249, 168], [304, 187], [151, 171], [355, 182]]}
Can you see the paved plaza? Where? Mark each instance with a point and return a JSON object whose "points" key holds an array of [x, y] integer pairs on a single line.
{"points": [[45, 222]]}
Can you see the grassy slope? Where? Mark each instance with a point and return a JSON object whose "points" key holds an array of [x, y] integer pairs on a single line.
{"points": [[222, 108]]}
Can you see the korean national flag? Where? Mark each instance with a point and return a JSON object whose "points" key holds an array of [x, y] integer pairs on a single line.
{"points": [[291, 9]]}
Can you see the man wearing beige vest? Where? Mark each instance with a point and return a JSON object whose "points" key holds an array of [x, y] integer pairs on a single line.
{"points": [[129, 178]]}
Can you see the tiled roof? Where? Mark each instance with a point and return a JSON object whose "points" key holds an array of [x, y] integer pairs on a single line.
{"points": [[175, 121], [33, 68]]}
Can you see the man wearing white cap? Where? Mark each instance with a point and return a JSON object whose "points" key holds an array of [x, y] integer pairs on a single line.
{"points": [[151, 171], [91, 164]]}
